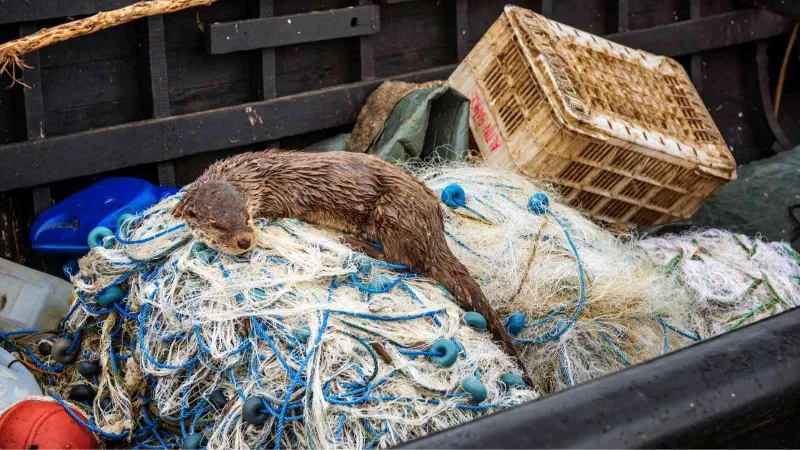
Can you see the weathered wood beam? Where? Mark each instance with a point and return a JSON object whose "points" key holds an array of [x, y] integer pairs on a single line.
{"points": [[262, 76], [696, 62], [707, 33], [33, 163], [367, 50], [462, 28], [293, 29], [34, 113], [157, 86], [623, 16], [263, 83]]}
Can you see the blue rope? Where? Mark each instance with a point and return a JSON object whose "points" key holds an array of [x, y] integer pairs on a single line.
{"points": [[340, 427], [685, 334], [565, 366], [612, 344], [296, 377], [91, 426], [388, 318]]}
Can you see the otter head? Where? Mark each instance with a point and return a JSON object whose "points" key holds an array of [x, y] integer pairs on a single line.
{"points": [[217, 214]]}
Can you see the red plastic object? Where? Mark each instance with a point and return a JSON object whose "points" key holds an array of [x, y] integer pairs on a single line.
{"points": [[45, 425]]}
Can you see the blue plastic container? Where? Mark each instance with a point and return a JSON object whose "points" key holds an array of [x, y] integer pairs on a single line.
{"points": [[64, 228]]}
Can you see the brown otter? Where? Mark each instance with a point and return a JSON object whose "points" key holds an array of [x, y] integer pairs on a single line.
{"points": [[349, 192]]}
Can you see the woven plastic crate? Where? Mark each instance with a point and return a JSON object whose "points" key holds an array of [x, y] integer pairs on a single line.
{"points": [[623, 132]]}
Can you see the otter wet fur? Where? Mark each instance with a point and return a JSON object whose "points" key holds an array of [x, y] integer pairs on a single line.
{"points": [[349, 192]]}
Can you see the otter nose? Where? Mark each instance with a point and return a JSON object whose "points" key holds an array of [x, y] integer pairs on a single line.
{"points": [[243, 243]]}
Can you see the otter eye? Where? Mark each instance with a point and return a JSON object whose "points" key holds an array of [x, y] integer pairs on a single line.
{"points": [[218, 227], [191, 214]]}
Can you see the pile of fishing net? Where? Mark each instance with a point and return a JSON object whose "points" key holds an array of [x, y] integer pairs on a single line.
{"points": [[303, 342], [299, 343]]}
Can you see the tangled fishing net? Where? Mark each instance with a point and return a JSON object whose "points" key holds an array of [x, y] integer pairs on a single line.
{"points": [[733, 280], [303, 342], [581, 301], [300, 343]]}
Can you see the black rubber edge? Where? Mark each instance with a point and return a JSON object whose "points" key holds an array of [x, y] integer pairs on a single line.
{"points": [[738, 389]]}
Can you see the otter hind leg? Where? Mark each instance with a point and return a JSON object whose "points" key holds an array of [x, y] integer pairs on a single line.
{"points": [[363, 246]]}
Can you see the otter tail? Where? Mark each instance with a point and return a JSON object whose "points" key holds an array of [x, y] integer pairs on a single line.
{"points": [[457, 279]]}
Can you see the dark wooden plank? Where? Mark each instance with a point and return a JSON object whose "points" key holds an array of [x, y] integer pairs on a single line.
{"points": [[483, 13], [32, 10], [433, 44], [586, 15], [317, 65], [34, 112], [367, 51], [652, 13], [696, 61], [199, 81], [33, 163], [262, 68], [92, 81], [295, 29], [158, 86], [623, 16], [158, 79], [547, 8], [462, 28], [92, 117], [263, 74], [707, 33], [34, 105]]}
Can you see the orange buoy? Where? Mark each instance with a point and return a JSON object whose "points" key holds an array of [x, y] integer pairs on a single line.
{"points": [[43, 424]]}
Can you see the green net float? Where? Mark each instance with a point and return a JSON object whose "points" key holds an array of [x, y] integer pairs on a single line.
{"points": [[194, 441], [515, 323], [105, 404], [89, 368], [97, 235], [110, 296], [512, 380], [302, 333], [364, 267], [379, 283], [252, 411], [218, 399], [475, 389], [122, 218], [362, 263], [475, 320], [445, 351], [59, 351]]}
